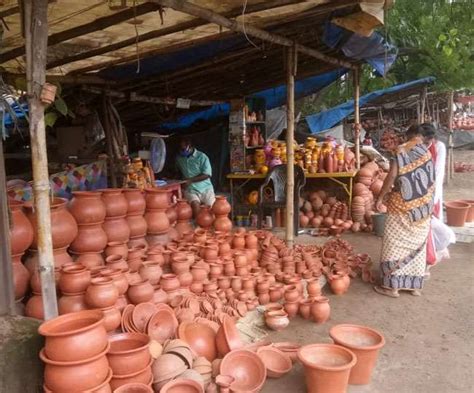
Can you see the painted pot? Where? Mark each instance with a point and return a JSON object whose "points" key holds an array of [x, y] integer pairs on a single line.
{"points": [[136, 203], [90, 239], [115, 203], [101, 293], [21, 230], [116, 229], [87, 207]]}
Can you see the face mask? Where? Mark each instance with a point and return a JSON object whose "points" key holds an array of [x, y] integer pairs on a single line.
{"points": [[186, 152]]}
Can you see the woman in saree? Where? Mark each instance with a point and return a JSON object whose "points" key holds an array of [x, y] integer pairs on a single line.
{"points": [[408, 194]]}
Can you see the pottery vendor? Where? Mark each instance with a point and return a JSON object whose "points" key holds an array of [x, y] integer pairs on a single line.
{"points": [[196, 169]]}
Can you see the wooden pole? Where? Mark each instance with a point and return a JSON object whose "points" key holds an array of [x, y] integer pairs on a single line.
{"points": [[7, 297], [291, 61], [108, 139], [423, 104], [355, 77], [450, 161], [36, 29]]}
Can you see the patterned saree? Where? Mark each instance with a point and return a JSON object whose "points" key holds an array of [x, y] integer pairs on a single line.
{"points": [[409, 209]]}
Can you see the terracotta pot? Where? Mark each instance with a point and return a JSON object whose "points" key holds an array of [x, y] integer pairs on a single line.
{"points": [[275, 293], [247, 368], [21, 230], [221, 207], [101, 293], [137, 225], [292, 308], [264, 298], [136, 203], [199, 273], [292, 294], [251, 240], [151, 271], [34, 307], [61, 257], [156, 256], [63, 224], [117, 248], [201, 339], [205, 218], [116, 204], [365, 343], [456, 213], [140, 292], [172, 214], [69, 303], [182, 385], [119, 278], [169, 282], [185, 279], [87, 207], [75, 336], [339, 284], [327, 367], [75, 278], [116, 229], [138, 241], [320, 309], [228, 337], [238, 241], [276, 362], [129, 353], [222, 224], [184, 210], [157, 198], [89, 259], [134, 387], [21, 277], [90, 239], [116, 262], [470, 213], [144, 376], [313, 287], [82, 374], [157, 221], [305, 308]]}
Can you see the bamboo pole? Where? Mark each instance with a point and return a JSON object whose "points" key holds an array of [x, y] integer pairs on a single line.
{"points": [[108, 140], [36, 29], [450, 160], [291, 61], [355, 77], [423, 104]]}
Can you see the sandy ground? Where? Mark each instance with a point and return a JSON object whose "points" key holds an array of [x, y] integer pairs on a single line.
{"points": [[462, 185]]}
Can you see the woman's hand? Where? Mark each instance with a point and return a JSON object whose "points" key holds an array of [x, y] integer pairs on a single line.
{"points": [[379, 204]]}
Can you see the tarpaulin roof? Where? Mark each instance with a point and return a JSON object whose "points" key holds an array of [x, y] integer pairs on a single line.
{"points": [[274, 97], [327, 119]]}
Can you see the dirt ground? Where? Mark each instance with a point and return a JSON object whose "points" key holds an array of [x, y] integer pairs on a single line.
{"points": [[429, 339]]}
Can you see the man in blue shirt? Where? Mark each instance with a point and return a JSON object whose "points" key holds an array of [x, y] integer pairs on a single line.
{"points": [[196, 169]]}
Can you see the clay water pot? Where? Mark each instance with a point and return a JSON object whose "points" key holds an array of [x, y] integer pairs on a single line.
{"points": [[236, 283], [157, 221], [470, 213], [101, 293], [151, 271], [320, 309], [138, 241], [82, 374], [222, 224], [224, 248], [63, 224], [118, 277], [184, 210], [21, 230], [74, 278], [21, 277], [339, 284], [116, 262], [365, 343], [221, 207], [112, 318], [116, 204], [76, 336], [204, 218], [137, 225], [136, 203], [305, 308], [129, 353], [264, 298], [89, 259], [291, 293], [117, 248], [327, 367], [238, 241], [169, 282], [275, 293], [251, 241], [140, 292], [157, 198], [292, 308], [180, 264], [199, 273], [34, 306], [90, 238], [87, 207], [313, 287], [116, 229], [456, 213], [156, 256], [185, 279], [73, 302]]}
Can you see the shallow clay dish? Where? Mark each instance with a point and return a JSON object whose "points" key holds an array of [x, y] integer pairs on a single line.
{"points": [[125, 315], [141, 315], [162, 325], [200, 337], [246, 368], [182, 386], [276, 362]]}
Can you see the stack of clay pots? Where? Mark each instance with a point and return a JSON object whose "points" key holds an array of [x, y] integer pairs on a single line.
{"points": [[115, 224], [158, 223], [103, 293], [221, 210], [89, 210], [184, 215], [73, 281], [75, 351], [136, 206]]}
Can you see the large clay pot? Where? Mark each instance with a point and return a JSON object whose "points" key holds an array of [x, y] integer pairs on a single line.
{"points": [[115, 203], [87, 207], [221, 206], [137, 225], [116, 229], [205, 218], [75, 278], [21, 230], [151, 271], [157, 221], [184, 210], [120, 280], [90, 239], [128, 353], [21, 277], [157, 198], [34, 306], [222, 224], [112, 318], [456, 213], [169, 282], [101, 293], [320, 309], [69, 303], [89, 259], [63, 224], [339, 284], [140, 292], [61, 257], [135, 201]]}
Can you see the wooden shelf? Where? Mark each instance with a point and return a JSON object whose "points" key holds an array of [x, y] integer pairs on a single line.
{"points": [[255, 123]]}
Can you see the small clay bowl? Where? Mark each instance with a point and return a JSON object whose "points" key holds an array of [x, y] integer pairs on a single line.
{"points": [[128, 353], [182, 386], [167, 366], [141, 376], [134, 387], [247, 369], [276, 362], [162, 325], [141, 315]]}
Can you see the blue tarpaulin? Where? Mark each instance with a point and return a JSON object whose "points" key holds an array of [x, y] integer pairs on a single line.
{"points": [[327, 119], [274, 97]]}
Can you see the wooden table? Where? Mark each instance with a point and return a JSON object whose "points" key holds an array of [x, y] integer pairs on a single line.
{"points": [[343, 179]]}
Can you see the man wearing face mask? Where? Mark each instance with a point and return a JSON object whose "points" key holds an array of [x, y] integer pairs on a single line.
{"points": [[196, 169]]}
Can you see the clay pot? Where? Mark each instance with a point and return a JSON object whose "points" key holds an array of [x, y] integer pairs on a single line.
{"points": [[137, 225], [151, 271], [456, 213], [69, 303], [116, 204], [200, 337], [61, 257], [116, 262], [365, 343], [21, 277], [157, 222], [339, 284], [87, 207], [182, 385], [180, 264], [199, 273], [251, 241], [238, 242], [222, 224], [21, 230], [246, 368], [320, 309], [264, 298], [34, 307], [276, 362], [140, 292], [169, 282], [313, 287], [134, 387], [221, 207], [228, 337], [82, 374], [205, 218], [129, 353], [117, 248], [144, 376], [275, 293], [63, 224], [90, 239], [172, 214], [76, 336], [292, 294], [75, 278], [118, 277], [289, 348], [157, 198], [136, 203], [184, 210], [327, 367], [101, 293], [138, 241], [185, 279], [305, 308], [116, 229], [89, 259], [292, 308], [470, 213]]}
